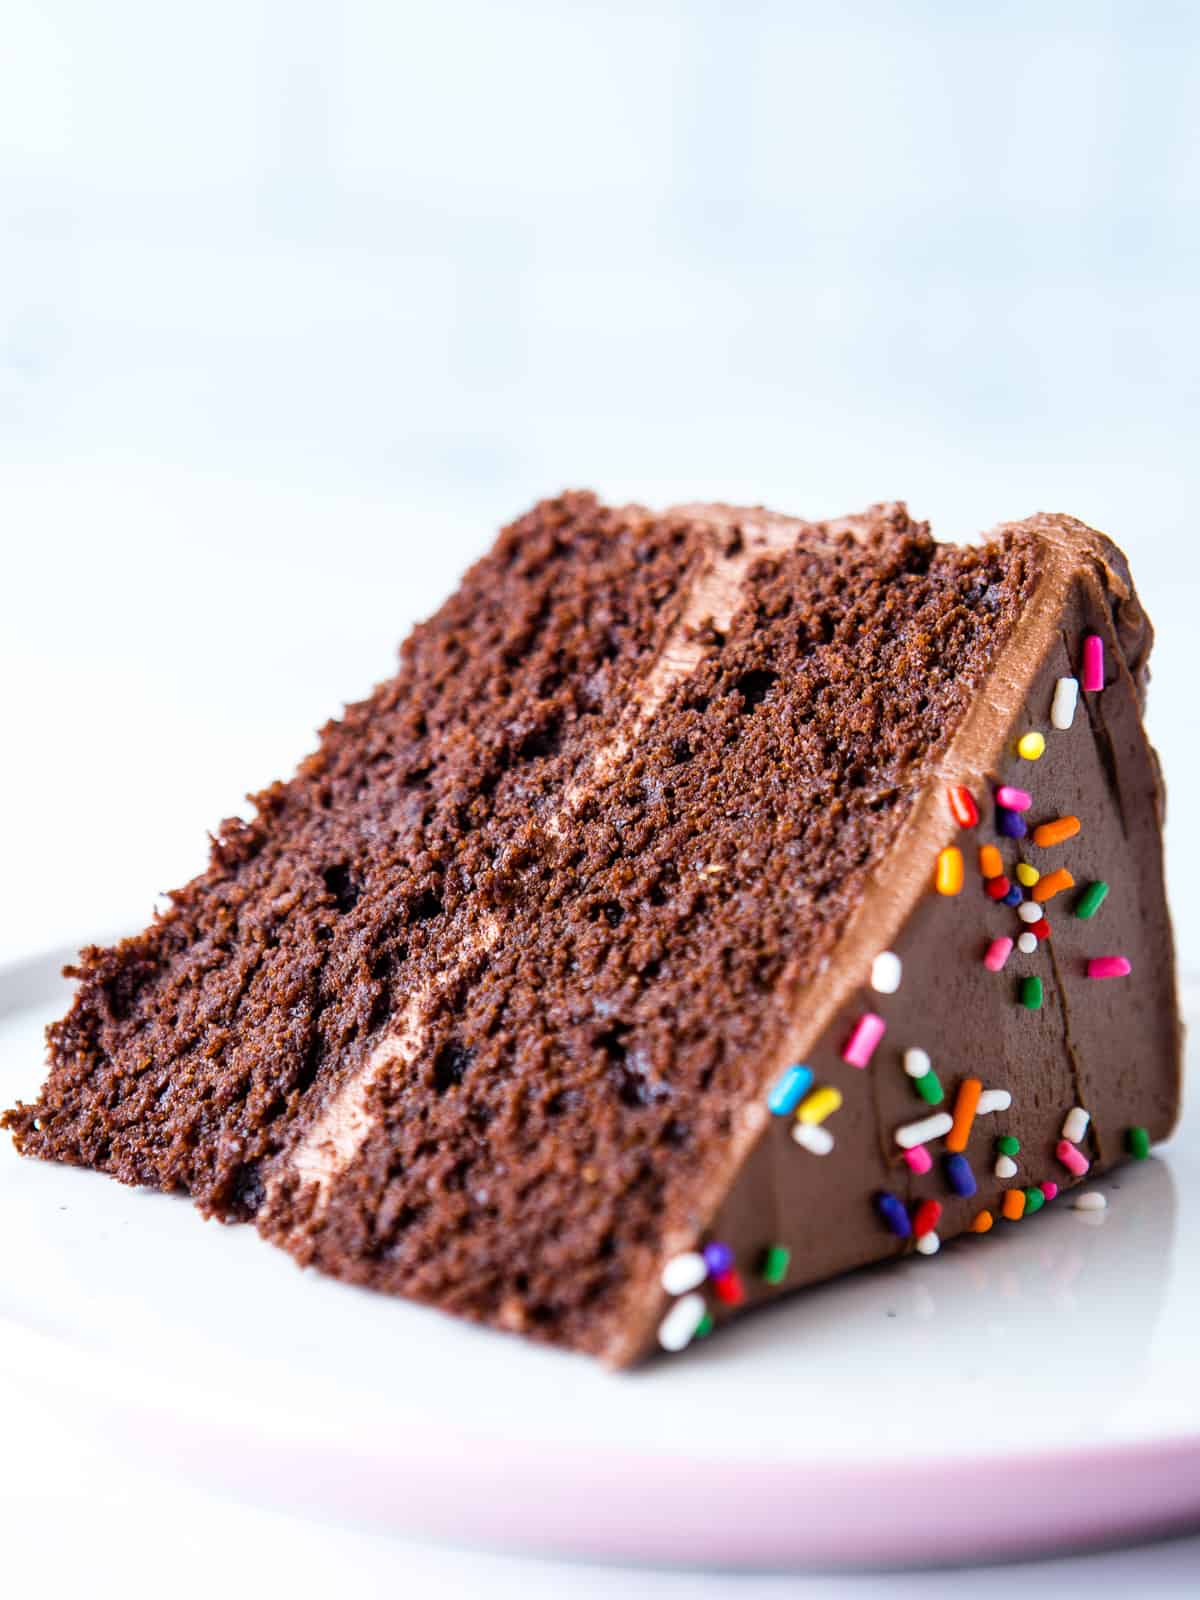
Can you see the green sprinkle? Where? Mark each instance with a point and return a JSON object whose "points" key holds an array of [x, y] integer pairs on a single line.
{"points": [[704, 1327], [1034, 1201], [775, 1263], [1091, 900], [1006, 1145], [1137, 1142], [930, 1089], [1031, 994]]}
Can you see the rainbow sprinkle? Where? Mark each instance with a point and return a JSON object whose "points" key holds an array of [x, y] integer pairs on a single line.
{"points": [[959, 1175], [949, 877], [1010, 824], [998, 953], [1074, 1160], [1053, 883], [860, 1046], [1013, 1204], [682, 1322], [1013, 799], [1066, 697], [921, 1132], [1091, 900], [891, 1208], [1031, 746], [789, 1090], [1108, 967], [1031, 993], [1056, 832], [919, 1160], [966, 1104], [962, 806], [684, 1272], [821, 1103], [926, 1217], [775, 1262], [1137, 1142], [1093, 663]]}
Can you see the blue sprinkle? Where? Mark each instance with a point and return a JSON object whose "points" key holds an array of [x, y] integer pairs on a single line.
{"points": [[959, 1175], [1010, 824], [718, 1258], [789, 1091], [1013, 897], [891, 1209]]}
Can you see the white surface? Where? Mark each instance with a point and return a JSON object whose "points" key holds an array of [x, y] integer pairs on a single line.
{"points": [[1070, 1334], [296, 301]]}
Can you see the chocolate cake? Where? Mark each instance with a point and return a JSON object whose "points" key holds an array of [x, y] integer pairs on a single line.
{"points": [[713, 902]]}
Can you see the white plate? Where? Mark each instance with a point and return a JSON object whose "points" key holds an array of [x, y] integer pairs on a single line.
{"points": [[1032, 1389]]}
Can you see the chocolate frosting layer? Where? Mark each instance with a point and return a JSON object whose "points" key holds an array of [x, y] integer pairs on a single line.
{"points": [[1111, 1047]]}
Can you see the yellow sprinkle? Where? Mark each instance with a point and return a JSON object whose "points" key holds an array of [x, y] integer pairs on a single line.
{"points": [[950, 870], [1026, 874], [991, 862], [1030, 746], [818, 1105]]}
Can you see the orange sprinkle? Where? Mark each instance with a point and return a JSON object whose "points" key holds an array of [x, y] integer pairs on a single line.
{"points": [[991, 862], [949, 870], [1056, 832], [969, 1091], [1053, 883], [1013, 1205], [982, 1222]]}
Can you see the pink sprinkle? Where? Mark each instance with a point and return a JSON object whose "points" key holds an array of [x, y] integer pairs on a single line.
{"points": [[1109, 967], [868, 1031], [1073, 1159], [1093, 662], [1048, 1189], [1013, 799], [998, 953], [919, 1159]]}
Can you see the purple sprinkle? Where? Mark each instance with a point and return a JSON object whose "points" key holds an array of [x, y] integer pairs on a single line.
{"points": [[718, 1258], [1010, 824], [1013, 897], [891, 1208], [959, 1175]]}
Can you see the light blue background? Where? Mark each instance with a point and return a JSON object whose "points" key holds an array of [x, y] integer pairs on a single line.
{"points": [[330, 291]]}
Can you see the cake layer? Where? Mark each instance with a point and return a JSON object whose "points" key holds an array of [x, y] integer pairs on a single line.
{"points": [[483, 1005]]}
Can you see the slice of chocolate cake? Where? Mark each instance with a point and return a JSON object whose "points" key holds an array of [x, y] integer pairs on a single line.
{"points": [[713, 902]]}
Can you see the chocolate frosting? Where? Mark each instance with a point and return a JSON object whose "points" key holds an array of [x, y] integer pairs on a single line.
{"points": [[1111, 1047]]}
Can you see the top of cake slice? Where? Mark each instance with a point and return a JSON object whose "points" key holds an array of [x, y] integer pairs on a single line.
{"points": [[494, 1003]]}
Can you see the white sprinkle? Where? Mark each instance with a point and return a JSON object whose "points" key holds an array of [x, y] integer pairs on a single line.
{"points": [[917, 1063], [993, 1100], [913, 1133], [1027, 943], [1005, 1167], [1092, 1200], [678, 1328], [818, 1141], [929, 1244], [1075, 1124], [684, 1272], [1029, 911], [885, 972], [1066, 697]]}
